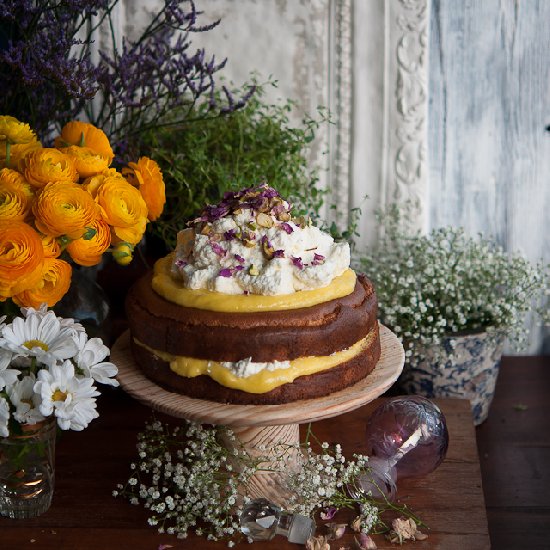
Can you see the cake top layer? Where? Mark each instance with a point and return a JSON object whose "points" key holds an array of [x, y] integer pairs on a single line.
{"points": [[250, 243]]}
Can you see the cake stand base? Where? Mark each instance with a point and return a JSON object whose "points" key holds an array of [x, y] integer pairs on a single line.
{"points": [[262, 430]]}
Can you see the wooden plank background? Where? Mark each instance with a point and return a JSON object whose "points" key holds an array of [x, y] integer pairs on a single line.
{"points": [[489, 152]]}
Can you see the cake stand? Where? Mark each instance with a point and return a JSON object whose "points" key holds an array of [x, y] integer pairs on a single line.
{"points": [[262, 429]]}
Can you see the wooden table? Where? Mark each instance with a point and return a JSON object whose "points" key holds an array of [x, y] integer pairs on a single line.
{"points": [[514, 450], [85, 516]]}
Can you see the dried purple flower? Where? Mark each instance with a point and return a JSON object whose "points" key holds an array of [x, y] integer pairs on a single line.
{"points": [[219, 250], [279, 253], [287, 228], [297, 262], [328, 513], [318, 259], [230, 235], [180, 263], [226, 272], [240, 259]]}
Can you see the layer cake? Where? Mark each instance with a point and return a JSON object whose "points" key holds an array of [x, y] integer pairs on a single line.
{"points": [[254, 307]]}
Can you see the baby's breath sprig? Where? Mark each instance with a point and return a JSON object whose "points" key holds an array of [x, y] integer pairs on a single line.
{"points": [[447, 283], [191, 481]]}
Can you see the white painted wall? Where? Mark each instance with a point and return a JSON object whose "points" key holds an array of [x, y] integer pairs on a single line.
{"points": [[489, 153]]}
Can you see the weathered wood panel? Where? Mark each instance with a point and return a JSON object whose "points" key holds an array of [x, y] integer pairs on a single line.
{"points": [[489, 105]]}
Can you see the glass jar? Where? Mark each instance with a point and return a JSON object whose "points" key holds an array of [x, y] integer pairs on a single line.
{"points": [[27, 470]]}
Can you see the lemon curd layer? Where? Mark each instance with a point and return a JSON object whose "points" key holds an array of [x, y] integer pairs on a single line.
{"points": [[265, 380], [164, 285]]}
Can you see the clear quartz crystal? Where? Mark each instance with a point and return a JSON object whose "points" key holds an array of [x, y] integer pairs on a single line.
{"points": [[261, 520]]}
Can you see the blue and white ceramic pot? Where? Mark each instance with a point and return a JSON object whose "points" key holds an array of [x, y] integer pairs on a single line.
{"points": [[464, 367]]}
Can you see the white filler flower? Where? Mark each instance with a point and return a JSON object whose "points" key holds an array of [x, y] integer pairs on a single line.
{"points": [[26, 402], [90, 360], [4, 417], [41, 336], [71, 399]]}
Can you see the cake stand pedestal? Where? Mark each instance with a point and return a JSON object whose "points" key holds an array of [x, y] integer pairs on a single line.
{"points": [[262, 429]]}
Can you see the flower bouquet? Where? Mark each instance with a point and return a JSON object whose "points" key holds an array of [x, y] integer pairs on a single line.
{"points": [[66, 204], [48, 371]]}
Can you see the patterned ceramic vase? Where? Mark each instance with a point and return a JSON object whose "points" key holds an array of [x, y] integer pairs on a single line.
{"points": [[467, 370]]}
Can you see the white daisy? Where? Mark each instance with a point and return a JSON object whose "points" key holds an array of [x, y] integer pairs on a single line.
{"points": [[26, 401], [41, 311], [41, 336], [7, 376], [4, 417], [90, 360], [71, 399]]}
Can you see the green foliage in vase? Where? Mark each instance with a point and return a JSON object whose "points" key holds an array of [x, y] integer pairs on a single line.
{"points": [[431, 286], [203, 158]]}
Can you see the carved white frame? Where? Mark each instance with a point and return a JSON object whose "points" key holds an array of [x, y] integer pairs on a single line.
{"points": [[375, 85], [389, 151]]}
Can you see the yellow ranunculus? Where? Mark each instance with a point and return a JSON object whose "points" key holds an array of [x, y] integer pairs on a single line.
{"points": [[146, 175], [87, 162], [46, 165], [17, 152], [64, 209], [84, 134], [89, 252], [51, 246], [123, 209], [123, 253], [53, 285], [16, 195], [21, 256], [13, 131]]}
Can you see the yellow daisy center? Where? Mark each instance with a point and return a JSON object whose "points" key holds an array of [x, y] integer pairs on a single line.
{"points": [[59, 395], [29, 344]]}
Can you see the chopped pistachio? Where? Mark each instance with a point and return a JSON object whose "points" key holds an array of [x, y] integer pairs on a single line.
{"points": [[253, 270], [264, 220]]}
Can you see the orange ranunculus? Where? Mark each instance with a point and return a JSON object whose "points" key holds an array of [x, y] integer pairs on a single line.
{"points": [[16, 195], [51, 246], [89, 252], [123, 208], [64, 208], [146, 175], [53, 285], [46, 165], [84, 134], [14, 131], [17, 152], [87, 162], [93, 183], [21, 256]]}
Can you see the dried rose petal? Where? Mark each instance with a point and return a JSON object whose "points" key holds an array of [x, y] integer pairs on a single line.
{"points": [[318, 259], [219, 250], [336, 530], [297, 262], [226, 272], [279, 253], [286, 227], [328, 513], [230, 235], [240, 259], [365, 542], [238, 268]]}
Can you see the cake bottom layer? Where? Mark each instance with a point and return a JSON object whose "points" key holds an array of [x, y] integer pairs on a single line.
{"points": [[304, 387]]}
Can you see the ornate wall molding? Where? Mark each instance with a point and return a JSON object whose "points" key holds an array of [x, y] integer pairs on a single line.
{"points": [[389, 144]]}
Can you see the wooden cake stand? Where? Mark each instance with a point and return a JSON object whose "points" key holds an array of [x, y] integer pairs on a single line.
{"points": [[262, 428]]}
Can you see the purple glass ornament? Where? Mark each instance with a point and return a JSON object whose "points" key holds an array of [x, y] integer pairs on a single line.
{"points": [[409, 432]]}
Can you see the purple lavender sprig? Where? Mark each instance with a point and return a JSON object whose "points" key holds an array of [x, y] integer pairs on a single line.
{"points": [[47, 76]]}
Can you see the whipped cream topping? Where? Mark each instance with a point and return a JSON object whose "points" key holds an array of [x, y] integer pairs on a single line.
{"points": [[246, 367], [250, 244]]}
